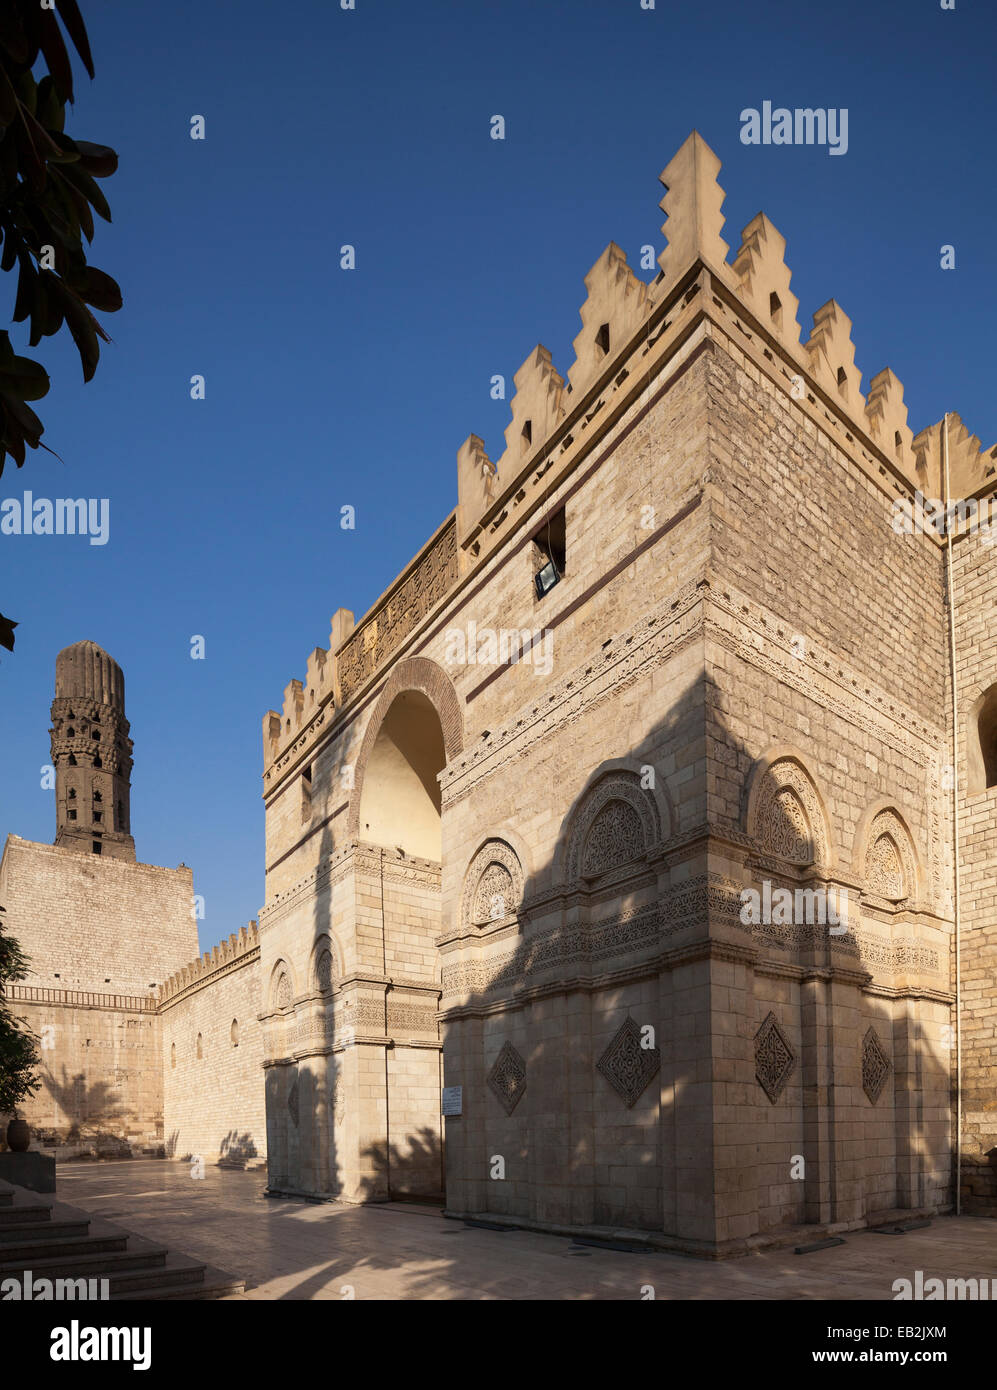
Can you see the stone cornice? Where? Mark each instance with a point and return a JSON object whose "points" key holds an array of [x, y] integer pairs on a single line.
{"points": [[642, 648], [211, 977], [355, 856]]}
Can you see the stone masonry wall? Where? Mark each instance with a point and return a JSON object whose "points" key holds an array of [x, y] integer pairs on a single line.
{"points": [[975, 581], [101, 1069], [212, 1051], [826, 651], [97, 924], [101, 935]]}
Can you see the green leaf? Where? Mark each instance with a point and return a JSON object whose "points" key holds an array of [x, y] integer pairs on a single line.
{"points": [[70, 15], [54, 52], [99, 160], [15, 447], [79, 202], [25, 378], [99, 290], [80, 179], [13, 39], [27, 90], [29, 422], [46, 316], [8, 100], [51, 111], [26, 280], [82, 325]]}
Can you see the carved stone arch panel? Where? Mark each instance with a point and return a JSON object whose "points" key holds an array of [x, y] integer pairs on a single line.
{"points": [[493, 886], [281, 987], [615, 823], [430, 679], [786, 817], [278, 1027], [889, 862], [324, 969]]}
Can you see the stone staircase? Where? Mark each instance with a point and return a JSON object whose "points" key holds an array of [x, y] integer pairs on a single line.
{"points": [[55, 1241]]}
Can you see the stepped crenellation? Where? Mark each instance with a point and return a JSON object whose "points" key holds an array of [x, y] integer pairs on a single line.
{"points": [[237, 945], [550, 411]]}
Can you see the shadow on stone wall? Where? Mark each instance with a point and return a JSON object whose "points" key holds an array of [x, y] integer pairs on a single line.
{"points": [[301, 1155], [93, 1114], [612, 931], [236, 1150], [603, 936], [388, 1163]]}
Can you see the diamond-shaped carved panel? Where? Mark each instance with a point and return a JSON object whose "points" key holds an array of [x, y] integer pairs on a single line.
{"points": [[507, 1078], [626, 1065], [875, 1066], [775, 1059]]}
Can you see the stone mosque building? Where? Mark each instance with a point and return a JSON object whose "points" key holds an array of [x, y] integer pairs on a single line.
{"points": [[670, 650]]}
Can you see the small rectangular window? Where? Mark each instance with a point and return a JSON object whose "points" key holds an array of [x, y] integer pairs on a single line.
{"points": [[306, 795], [550, 553]]}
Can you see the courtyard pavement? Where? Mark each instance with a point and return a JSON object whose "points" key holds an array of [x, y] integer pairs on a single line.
{"points": [[289, 1249]]}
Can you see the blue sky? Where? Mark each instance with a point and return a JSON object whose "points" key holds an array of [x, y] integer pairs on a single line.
{"points": [[326, 388]]}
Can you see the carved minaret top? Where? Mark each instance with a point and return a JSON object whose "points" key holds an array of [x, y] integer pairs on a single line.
{"points": [[91, 754]]}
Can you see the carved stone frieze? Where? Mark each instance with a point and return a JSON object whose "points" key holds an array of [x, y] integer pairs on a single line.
{"points": [[373, 643], [639, 650]]}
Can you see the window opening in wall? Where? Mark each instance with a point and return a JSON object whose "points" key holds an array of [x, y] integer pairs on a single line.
{"points": [[983, 743], [550, 551], [306, 794], [96, 847]]}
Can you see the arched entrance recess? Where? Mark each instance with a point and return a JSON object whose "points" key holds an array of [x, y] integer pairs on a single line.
{"points": [[395, 818]]}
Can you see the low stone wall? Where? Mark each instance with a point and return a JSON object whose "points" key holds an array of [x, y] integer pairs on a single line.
{"points": [[212, 1057]]}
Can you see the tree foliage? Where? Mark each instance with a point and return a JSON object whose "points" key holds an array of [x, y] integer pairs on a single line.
{"points": [[48, 196], [18, 1056]]}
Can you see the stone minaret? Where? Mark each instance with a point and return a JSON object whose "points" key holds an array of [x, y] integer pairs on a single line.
{"points": [[91, 753]]}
